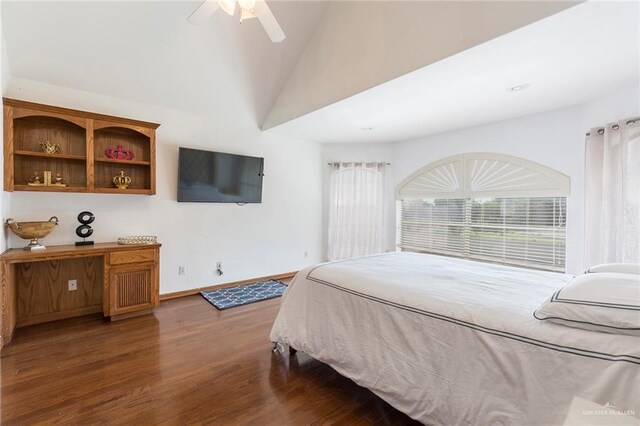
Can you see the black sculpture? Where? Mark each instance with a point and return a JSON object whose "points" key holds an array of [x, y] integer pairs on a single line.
{"points": [[84, 231]]}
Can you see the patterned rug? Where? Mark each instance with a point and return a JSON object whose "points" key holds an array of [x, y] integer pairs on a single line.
{"points": [[244, 294]]}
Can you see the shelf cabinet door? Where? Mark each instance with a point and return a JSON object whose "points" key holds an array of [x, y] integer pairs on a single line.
{"points": [[133, 288]]}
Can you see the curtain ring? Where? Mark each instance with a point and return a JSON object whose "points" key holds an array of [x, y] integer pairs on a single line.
{"points": [[615, 127], [601, 131], [630, 122]]}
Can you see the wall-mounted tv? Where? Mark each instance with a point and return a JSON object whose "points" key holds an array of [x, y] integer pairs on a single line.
{"points": [[218, 177]]}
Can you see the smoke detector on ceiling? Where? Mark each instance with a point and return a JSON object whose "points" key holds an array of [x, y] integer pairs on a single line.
{"points": [[518, 87]]}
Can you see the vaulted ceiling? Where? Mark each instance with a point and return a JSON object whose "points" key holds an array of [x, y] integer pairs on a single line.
{"points": [[567, 59], [147, 52], [398, 68], [359, 45]]}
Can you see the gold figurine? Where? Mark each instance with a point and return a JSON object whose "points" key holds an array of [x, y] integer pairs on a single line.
{"points": [[49, 148], [36, 180], [46, 179], [58, 180], [122, 181]]}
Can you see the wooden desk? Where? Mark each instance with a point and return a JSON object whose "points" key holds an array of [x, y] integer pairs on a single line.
{"points": [[117, 280]]}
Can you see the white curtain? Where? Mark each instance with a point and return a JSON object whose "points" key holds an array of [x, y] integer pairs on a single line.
{"points": [[612, 207], [356, 210]]}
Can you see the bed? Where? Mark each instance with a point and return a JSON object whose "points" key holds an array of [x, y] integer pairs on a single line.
{"points": [[449, 341]]}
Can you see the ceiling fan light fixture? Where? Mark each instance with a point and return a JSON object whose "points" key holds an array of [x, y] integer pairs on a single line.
{"points": [[247, 4], [246, 14], [248, 9], [229, 6]]}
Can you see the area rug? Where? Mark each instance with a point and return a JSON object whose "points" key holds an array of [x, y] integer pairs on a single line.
{"points": [[226, 298]]}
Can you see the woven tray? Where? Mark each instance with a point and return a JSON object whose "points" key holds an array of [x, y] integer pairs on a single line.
{"points": [[138, 239]]}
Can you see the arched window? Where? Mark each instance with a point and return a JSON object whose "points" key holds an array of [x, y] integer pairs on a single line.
{"points": [[488, 207]]}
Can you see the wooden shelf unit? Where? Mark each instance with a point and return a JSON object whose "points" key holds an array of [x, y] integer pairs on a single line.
{"points": [[83, 138], [113, 160], [68, 188], [43, 155], [118, 280]]}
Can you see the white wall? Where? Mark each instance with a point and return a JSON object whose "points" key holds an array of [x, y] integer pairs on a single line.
{"points": [[555, 139], [5, 74], [250, 240], [618, 105]]}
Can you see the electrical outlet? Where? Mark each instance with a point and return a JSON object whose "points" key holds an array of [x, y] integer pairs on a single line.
{"points": [[306, 254], [182, 270], [73, 285]]}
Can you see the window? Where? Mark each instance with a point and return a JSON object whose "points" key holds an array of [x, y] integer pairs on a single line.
{"points": [[528, 232], [487, 207]]}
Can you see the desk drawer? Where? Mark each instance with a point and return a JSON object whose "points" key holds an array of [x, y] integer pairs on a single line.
{"points": [[132, 256]]}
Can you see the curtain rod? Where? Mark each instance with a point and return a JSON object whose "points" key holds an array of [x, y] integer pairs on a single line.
{"points": [[616, 126], [335, 163]]}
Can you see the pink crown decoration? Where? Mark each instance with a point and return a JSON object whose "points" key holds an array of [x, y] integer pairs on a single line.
{"points": [[119, 153]]}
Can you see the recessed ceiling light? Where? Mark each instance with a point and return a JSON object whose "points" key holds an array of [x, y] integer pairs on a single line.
{"points": [[518, 88], [366, 129]]}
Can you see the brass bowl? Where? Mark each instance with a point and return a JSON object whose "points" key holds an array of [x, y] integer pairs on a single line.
{"points": [[32, 231]]}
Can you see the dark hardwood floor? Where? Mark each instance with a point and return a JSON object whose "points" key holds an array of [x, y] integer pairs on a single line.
{"points": [[188, 363]]}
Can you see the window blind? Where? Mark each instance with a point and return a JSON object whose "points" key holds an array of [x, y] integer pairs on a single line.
{"points": [[529, 231]]}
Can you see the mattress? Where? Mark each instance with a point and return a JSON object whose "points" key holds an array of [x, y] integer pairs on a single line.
{"points": [[449, 341]]}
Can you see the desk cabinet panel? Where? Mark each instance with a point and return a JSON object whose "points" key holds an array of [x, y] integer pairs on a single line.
{"points": [[43, 293], [132, 256], [133, 289], [133, 277]]}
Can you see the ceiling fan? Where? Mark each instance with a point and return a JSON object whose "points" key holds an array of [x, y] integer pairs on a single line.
{"points": [[248, 9]]}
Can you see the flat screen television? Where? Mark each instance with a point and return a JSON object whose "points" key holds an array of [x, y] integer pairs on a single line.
{"points": [[218, 177]]}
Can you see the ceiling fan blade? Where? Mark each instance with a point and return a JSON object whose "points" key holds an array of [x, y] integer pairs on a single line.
{"points": [[268, 21], [204, 12]]}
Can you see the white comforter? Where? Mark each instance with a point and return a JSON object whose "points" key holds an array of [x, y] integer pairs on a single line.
{"points": [[450, 341]]}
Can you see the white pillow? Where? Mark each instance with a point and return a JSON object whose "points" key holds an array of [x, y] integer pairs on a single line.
{"points": [[605, 301], [623, 268]]}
